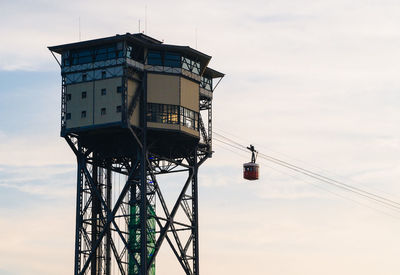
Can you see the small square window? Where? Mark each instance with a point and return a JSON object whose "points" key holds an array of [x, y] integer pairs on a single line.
{"points": [[83, 114], [119, 89], [84, 94], [68, 116], [103, 74], [84, 77], [119, 108], [69, 96], [103, 91], [103, 111]]}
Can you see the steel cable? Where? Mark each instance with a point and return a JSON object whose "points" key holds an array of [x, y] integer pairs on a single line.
{"points": [[366, 194]]}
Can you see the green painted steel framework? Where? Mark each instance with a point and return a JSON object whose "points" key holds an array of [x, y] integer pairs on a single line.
{"points": [[102, 223]]}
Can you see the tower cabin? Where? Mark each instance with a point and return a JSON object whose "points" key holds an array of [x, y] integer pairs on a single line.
{"points": [[117, 85]]}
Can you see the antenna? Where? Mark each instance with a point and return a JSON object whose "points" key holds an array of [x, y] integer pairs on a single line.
{"points": [[195, 34], [145, 19], [79, 27]]}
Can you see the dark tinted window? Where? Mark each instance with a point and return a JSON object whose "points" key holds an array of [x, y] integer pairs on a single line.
{"points": [[172, 60], [154, 58]]}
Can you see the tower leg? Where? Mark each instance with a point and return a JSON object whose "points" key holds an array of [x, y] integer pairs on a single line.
{"points": [[143, 181], [108, 235], [100, 222], [143, 216], [195, 222], [78, 226], [95, 223]]}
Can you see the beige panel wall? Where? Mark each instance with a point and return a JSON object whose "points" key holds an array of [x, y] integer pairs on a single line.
{"points": [[163, 89], [131, 90], [190, 131], [163, 126], [166, 126], [77, 104], [190, 91], [109, 101]]}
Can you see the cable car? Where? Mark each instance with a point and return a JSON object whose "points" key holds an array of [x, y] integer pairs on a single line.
{"points": [[251, 169]]}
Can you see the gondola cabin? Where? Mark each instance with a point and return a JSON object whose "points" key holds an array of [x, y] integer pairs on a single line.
{"points": [[250, 171]]}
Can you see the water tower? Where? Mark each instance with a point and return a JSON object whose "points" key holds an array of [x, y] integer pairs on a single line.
{"points": [[134, 108]]}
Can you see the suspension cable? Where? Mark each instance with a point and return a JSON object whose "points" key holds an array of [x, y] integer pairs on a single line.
{"points": [[317, 176]]}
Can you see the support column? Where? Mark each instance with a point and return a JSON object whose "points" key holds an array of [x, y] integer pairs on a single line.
{"points": [[108, 236], [78, 224], [96, 208], [195, 221], [143, 181], [133, 229]]}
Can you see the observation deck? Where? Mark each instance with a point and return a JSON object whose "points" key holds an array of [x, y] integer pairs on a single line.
{"points": [[115, 85]]}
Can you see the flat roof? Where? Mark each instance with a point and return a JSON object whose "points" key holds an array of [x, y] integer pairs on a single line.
{"points": [[145, 41], [213, 73]]}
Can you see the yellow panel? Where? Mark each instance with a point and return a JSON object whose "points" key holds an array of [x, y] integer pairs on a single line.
{"points": [[190, 91], [77, 104], [163, 126], [166, 126], [163, 89], [109, 101], [190, 131]]}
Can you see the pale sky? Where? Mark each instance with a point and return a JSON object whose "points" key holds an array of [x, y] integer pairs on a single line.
{"points": [[314, 83]]}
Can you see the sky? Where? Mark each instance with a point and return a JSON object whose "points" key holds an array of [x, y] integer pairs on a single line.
{"points": [[314, 83]]}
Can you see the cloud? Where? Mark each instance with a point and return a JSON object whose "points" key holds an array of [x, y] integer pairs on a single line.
{"points": [[34, 150], [31, 237], [50, 181]]}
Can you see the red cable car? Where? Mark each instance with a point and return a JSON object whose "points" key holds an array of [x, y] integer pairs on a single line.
{"points": [[250, 169]]}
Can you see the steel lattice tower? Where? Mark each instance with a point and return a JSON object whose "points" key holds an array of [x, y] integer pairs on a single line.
{"points": [[132, 108]]}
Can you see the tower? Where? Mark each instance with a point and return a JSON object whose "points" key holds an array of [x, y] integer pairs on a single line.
{"points": [[136, 108]]}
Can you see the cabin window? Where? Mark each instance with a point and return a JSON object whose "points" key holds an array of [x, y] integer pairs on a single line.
{"points": [[85, 56], [154, 58], [103, 74], [69, 96], [135, 52], [68, 116], [119, 108], [65, 58], [103, 91], [172, 60], [129, 52], [190, 65], [83, 94], [75, 60], [206, 83], [163, 113], [83, 114], [189, 118], [84, 77], [111, 52], [103, 111], [101, 54], [88, 55], [172, 114], [108, 52], [119, 89]]}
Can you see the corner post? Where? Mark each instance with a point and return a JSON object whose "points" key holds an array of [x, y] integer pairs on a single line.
{"points": [[143, 181], [96, 208], [195, 209], [109, 203], [80, 163]]}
